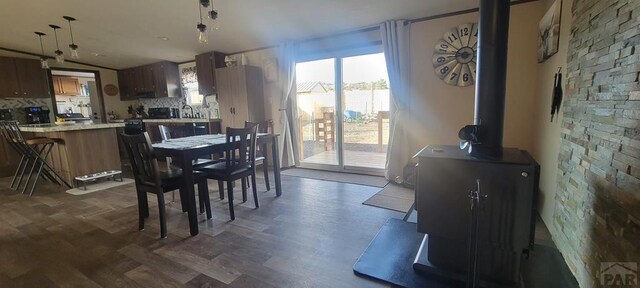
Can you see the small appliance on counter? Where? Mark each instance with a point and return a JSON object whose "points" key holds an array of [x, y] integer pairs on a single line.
{"points": [[6, 115], [37, 115], [78, 118], [160, 113]]}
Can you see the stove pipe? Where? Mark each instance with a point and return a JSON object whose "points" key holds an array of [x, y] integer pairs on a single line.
{"points": [[491, 76]]}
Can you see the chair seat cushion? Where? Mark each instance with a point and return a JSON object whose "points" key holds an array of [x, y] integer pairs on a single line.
{"points": [[176, 173], [222, 169]]}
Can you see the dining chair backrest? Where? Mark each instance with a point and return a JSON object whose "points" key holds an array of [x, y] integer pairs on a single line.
{"points": [[242, 146], [263, 126], [165, 134], [143, 160], [134, 126]]}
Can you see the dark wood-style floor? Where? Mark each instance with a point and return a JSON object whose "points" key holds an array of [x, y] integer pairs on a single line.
{"points": [[309, 237]]}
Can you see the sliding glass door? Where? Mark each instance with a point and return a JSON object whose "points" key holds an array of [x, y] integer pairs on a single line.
{"points": [[342, 118]]}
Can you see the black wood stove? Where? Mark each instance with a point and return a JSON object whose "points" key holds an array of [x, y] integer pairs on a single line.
{"points": [[477, 206]]}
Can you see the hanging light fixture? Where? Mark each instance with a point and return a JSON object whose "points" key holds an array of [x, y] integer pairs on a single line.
{"points": [[213, 14], [59, 54], [43, 59], [205, 3], [73, 46], [202, 29]]}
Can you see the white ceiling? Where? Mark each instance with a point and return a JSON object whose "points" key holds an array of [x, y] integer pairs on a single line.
{"points": [[125, 32]]}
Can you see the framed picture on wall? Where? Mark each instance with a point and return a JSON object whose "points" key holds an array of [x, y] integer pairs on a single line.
{"points": [[549, 34]]}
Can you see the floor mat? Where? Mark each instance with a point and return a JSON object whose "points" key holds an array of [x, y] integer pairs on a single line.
{"points": [[368, 180], [99, 186], [393, 197]]}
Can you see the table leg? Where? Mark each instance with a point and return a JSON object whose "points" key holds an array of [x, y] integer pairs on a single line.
{"points": [[187, 176], [276, 166]]}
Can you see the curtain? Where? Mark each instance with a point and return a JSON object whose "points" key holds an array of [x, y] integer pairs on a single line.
{"points": [[287, 74], [395, 36]]}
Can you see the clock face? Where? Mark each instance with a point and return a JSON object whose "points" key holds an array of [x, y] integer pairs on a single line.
{"points": [[454, 57]]}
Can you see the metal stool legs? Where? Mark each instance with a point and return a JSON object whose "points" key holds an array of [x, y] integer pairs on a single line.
{"points": [[44, 153]]}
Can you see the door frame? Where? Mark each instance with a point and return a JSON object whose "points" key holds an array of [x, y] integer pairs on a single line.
{"points": [[339, 116], [96, 75]]}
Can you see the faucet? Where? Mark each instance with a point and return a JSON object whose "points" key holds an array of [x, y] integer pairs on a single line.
{"points": [[190, 108]]}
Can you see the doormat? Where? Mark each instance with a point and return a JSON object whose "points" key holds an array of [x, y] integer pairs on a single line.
{"points": [[99, 186], [368, 180], [393, 197]]}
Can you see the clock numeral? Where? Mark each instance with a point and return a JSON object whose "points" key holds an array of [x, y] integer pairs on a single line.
{"points": [[453, 76], [444, 46], [454, 38], [465, 77], [464, 31], [441, 59], [444, 70]]}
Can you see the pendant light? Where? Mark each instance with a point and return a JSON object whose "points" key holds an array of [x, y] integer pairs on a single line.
{"points": [[213, 14], [205, 3], [43, 59], [202, 29], [59, 54], [73, 46]]}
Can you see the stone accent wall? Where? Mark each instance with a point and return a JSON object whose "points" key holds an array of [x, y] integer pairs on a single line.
{"points": [[597, 213]]}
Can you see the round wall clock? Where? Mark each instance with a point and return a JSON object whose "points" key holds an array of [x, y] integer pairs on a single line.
{"points": [[110, 89], [454, 57]]}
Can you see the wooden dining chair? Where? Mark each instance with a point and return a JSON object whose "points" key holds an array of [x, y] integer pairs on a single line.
{"points": [[149, 179], [237, 165], [261, 151]]}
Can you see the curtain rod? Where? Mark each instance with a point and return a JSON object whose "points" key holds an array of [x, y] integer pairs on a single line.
{"points": [[376, 27]]}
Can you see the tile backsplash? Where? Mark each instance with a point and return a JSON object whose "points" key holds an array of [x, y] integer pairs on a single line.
{"points": [[16, 105], [178, 102]]}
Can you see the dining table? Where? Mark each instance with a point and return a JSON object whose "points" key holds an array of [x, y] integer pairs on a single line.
{"points": [[186, 149]]}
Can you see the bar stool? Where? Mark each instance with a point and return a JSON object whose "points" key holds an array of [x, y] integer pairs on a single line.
{"points": [[34, 153]]}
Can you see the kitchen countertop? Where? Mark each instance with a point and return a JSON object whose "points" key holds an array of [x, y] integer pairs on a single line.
{"points": [[43, 128], [174, 120]]}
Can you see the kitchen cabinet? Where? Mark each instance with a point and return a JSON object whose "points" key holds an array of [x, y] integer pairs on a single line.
{"points": [[155, 80], [240, 95], [66, 86], [167, 79], [22, 78], [206, 64]]}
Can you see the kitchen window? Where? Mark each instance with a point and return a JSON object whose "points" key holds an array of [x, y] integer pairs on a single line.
{"points": [[189, 81]]}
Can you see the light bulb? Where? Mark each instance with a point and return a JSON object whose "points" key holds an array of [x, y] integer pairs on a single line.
{"points": [[44, 64], [202, 33], [59, 56], [74, 51], [202, 37]]}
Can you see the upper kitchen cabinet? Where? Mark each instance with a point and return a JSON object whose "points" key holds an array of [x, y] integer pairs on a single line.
{"points": [[22, 78], [150, 81], [167, 75], [206, 64], [240, 95], [66, 86]]}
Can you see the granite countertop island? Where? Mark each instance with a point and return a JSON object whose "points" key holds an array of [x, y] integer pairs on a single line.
{"points": [[173, 120], [81, 149], [67, 127]]}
